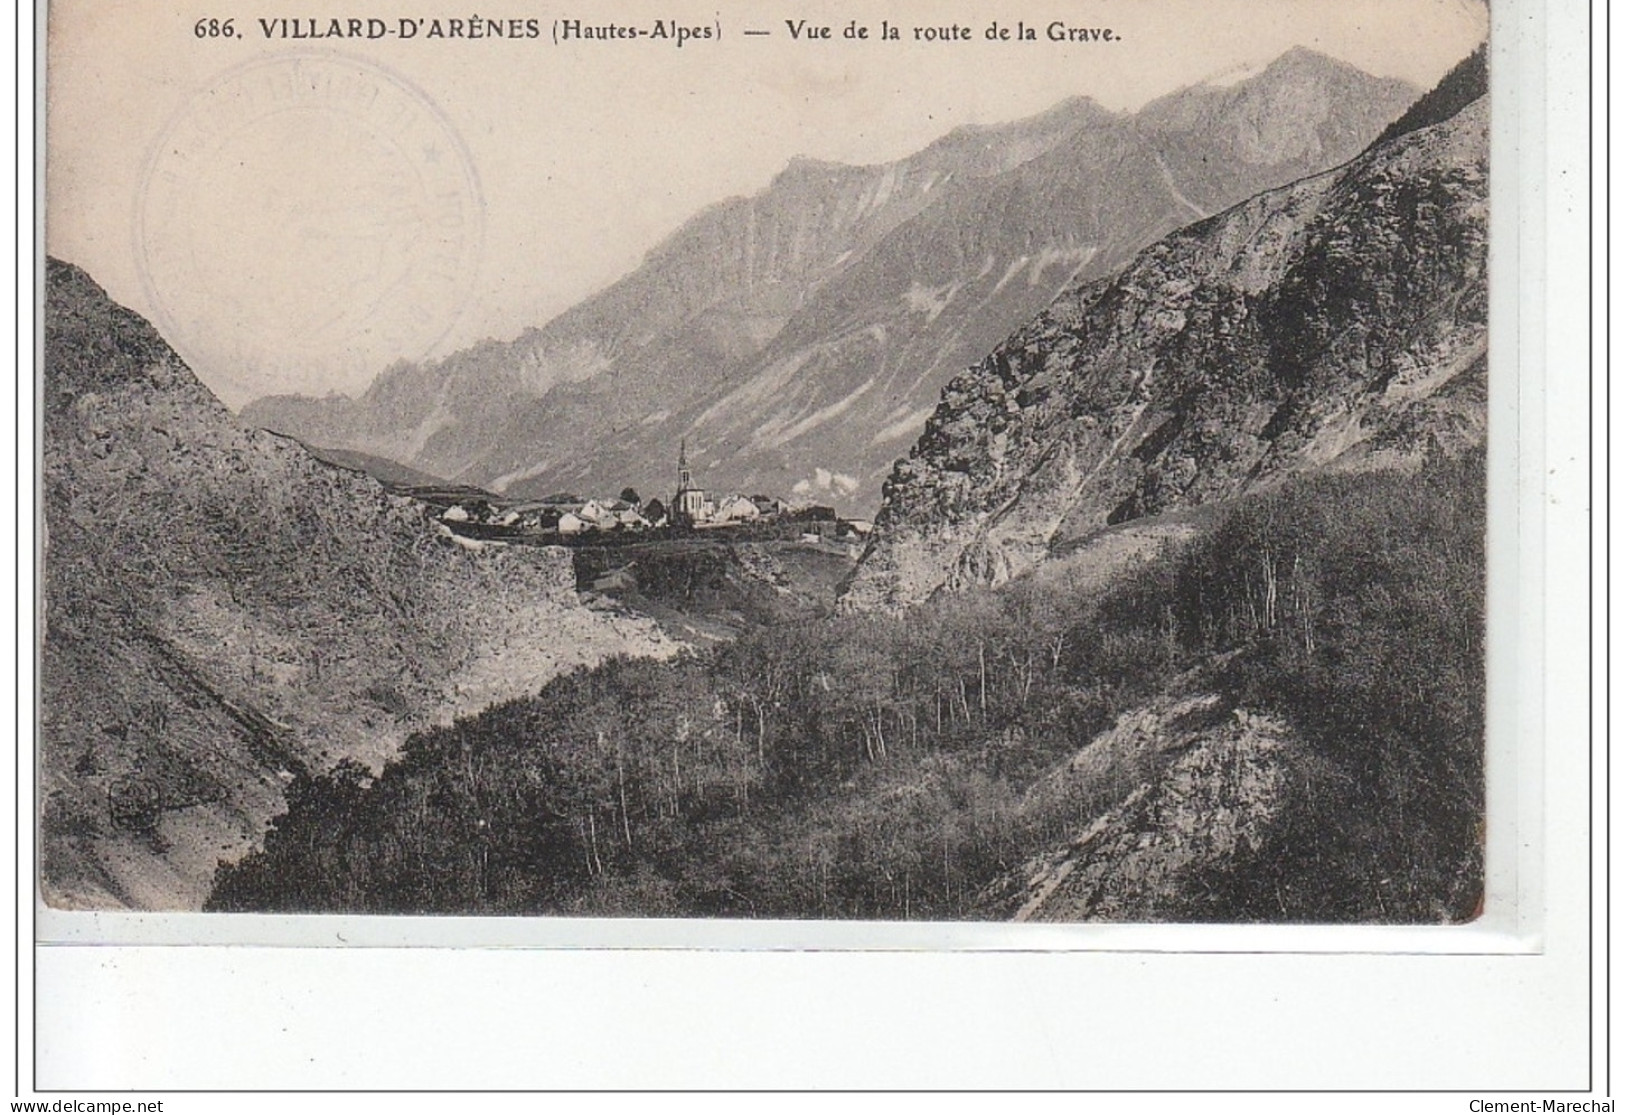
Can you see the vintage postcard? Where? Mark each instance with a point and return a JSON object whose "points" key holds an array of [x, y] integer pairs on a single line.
{"points": [[848, 462]]}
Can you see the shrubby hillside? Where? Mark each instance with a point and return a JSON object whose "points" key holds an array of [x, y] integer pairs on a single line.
{"points": [[224, 614], [1279, 718]]}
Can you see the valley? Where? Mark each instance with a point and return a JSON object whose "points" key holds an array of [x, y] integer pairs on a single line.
{"points": [[1170, 607]]}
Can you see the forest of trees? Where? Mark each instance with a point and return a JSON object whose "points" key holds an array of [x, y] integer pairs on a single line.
{"points": [[876, 766]]}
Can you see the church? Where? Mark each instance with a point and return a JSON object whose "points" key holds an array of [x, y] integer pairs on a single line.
{"points": [[688, 505]]}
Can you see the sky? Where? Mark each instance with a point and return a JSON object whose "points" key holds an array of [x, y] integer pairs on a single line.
{"points": [[413, 197]]}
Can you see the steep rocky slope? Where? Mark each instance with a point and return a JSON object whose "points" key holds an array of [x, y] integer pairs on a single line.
{"points": [[802, 336], [1338, 322], [222, 610], [1183, 789], [1201, 809]]}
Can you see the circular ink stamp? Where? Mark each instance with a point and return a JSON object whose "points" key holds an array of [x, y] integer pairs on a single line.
{"points": [[305, 221]]}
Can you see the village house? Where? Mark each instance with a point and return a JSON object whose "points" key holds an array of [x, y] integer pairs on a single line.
{"points": [[736, 509], [538, 515]]}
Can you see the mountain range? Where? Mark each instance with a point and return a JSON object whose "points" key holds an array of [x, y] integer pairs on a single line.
{"points": [[798, 339]]}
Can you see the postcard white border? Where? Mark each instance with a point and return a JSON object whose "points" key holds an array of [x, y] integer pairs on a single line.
{"points": [[1510, 922]]}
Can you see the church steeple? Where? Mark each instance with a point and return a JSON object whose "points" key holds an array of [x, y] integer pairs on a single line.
{"points": [[688, 505]]}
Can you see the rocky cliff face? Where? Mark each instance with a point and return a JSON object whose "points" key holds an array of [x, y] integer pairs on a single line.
{"points": [[800, 338], [222, 610], [1209, 787], [1338, 322]]}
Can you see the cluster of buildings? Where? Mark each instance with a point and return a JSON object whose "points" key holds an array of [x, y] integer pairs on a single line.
{"points": [[691, 508], [561, 514]]}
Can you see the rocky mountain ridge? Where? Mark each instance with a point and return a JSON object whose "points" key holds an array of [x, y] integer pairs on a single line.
{"points": [[799, 338], [1338, 322]]}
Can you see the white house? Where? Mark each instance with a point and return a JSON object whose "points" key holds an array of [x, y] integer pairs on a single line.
{"points": [[737, 509]]}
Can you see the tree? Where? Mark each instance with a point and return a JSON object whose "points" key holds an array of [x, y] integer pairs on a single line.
{"points": [[630, 495]]}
